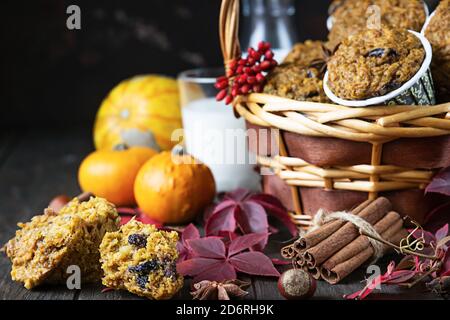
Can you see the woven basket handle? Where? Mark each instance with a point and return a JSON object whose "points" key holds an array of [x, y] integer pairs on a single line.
{"points": [[228, 30]]}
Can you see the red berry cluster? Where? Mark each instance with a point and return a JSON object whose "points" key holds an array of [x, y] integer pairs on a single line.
{"points": [[246, 75]]}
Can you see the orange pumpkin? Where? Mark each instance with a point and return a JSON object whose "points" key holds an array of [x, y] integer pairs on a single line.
{"points": [[110, 174], [174, 188]]}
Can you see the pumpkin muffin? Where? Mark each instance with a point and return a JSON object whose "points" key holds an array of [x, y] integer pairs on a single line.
{"points": [[374, 62], [45, 247], [142, 260], [438, 33], [351, 16], [296, 82], [304, 53], [300, 76]]}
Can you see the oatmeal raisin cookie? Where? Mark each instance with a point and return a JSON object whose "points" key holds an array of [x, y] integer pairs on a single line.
{"points": [[45, 247]]}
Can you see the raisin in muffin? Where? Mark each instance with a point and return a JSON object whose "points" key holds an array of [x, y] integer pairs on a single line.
{"points": [[45, 247], [438, 33], [296, 82], [374, 62], [142, 260], [351, 16]]}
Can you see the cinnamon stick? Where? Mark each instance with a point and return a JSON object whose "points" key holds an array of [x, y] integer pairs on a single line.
{"points": [[299, 260], [288, 252], [362, 242], [313, 238], [360, 250], [319, 253], [314, 272]]}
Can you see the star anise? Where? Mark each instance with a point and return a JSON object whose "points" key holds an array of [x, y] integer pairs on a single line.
{"points": [[212, 290], [321, 64]]}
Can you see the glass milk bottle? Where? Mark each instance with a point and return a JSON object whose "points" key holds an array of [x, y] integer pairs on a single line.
{"points": [[212, 133], [269, 20]]}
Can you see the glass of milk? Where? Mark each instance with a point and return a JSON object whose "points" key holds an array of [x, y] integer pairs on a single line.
{"points": [[212, 133]]}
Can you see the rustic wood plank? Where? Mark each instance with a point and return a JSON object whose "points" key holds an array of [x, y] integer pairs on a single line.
{"points": [[41, 165], [266, 288], [94, 292]]}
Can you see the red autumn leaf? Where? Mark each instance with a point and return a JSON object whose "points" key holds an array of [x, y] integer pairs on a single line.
{"points": [[195, 266], [247, 212], [237, 195], [190, 232], [255, 263], [275, 208], [245, 242], [221, 272], [126, 214], [445, 270], [440, 183], [441, 233], [184, 250], [212, 261], [209, 247], [391, 277], [400, 276], [221, 220], [437, 217], [280, 262], [252, 218]]}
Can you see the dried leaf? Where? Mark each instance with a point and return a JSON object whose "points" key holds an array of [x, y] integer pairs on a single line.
{"points": [[440, 183]]}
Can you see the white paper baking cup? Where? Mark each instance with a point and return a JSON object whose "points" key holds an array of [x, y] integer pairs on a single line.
{"points": [[419, 90], [330, 18], [425, 26]]}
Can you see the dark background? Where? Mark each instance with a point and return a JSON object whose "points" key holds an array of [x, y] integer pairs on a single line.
{"points": [[54, 77]]}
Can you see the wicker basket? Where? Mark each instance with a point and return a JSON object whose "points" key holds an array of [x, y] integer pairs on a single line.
{"points": [[334, 157]]}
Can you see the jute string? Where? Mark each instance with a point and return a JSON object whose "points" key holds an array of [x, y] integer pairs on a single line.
{"points": [[323, 217]]}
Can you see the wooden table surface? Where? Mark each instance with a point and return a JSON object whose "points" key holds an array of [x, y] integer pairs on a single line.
{"points": [[36, 166]]}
